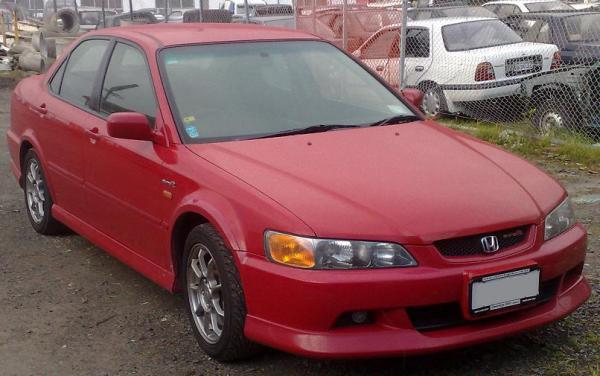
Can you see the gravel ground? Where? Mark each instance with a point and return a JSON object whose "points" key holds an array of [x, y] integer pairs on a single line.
{"points": [[67, 308]]}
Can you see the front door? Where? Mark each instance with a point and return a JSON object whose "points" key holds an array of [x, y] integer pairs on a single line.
{"points": [[124, 178]]}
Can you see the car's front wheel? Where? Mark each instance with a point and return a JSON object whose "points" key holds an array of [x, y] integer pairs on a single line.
{"points": [[214, 294], [37, 197]]}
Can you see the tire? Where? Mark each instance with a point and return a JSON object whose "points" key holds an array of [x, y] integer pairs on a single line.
{"points": [[434, 101], [207, 304], [553, 115], [38, 200]]}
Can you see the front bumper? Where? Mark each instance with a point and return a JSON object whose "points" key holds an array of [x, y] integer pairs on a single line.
{"points": [[298, 310]]}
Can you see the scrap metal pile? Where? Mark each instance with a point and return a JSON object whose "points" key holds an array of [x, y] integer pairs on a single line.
{"points": [[35, 45]]}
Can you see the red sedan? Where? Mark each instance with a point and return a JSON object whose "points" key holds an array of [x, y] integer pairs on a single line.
{"points": [[296, 200]]}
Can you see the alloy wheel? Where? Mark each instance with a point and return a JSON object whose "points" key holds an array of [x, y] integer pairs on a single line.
{"points": [[36, 191], [205, 293]]}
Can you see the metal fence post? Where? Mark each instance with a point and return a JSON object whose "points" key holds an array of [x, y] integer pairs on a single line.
{"points": [[246, 10], [103, 14], [344, 25], [295, 7], [314, 16], [401, 75]]}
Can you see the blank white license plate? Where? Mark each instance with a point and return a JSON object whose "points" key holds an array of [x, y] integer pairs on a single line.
{"points": [[498, 291]]}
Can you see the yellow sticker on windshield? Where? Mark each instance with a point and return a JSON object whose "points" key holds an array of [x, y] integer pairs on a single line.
{"points": [[189, 119]]}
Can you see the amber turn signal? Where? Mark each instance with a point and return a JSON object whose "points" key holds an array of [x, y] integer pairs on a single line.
{"points": [[290, 250]]}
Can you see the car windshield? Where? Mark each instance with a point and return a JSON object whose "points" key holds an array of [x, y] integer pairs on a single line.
{"points": [[478, 34], [246, 90], [582, 27], [468, 12], [548, 5]]}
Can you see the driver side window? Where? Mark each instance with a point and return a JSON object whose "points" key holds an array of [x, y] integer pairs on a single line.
{"points": [[128, 85]]}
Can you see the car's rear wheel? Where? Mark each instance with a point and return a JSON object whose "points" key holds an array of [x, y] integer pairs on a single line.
{"points": [[434, 101], [214, 294], [551, 115], [38, 198]]}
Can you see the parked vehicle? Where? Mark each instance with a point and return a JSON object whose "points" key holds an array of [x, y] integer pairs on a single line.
{"points": [[361, 23], [139, 17], [158, 13], [577, 34], [270, 15], [238, 8], [259, 197], [442, 3], [505, 8], [565, 99], [440, 12], [456, 61], [89, 18]]}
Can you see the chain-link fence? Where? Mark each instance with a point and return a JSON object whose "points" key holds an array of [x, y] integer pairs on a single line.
{"points": [[506, 61]]}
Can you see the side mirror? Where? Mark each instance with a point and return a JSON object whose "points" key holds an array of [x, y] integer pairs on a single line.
{"points": [[129, 126], [414, 96]]}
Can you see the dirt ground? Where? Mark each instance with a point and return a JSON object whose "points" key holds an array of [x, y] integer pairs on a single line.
{"points": [[67, 308]]}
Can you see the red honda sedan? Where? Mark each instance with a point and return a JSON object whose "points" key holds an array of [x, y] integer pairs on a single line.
{"points": [[295, 199]]}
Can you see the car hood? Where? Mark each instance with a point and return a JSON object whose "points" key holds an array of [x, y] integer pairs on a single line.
{"points": [[412, 183]]}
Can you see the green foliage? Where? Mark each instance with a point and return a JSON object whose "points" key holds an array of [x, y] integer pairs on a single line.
{"points": [[521, 138]]}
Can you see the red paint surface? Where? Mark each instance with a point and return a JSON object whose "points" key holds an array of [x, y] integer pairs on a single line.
{"points": [[411, 184]]}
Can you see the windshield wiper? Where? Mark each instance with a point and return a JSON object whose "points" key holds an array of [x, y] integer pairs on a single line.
{"points": [[394, 120], [311, 129]]}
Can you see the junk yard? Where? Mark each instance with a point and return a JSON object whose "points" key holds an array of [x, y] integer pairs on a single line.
{"points": [[339, 187]]}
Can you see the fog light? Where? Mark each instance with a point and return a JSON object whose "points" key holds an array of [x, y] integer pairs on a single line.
{"points": [[359, 317]]}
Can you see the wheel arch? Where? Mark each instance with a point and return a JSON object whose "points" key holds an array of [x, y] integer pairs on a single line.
{"points": [[198, 212], [551, 91], [23, 150]]}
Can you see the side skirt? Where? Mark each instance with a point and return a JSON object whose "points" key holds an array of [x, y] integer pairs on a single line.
{"points": [[153, 272]]}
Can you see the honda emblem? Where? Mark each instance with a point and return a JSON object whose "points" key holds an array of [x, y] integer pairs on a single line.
{"points": [[490, 244]]}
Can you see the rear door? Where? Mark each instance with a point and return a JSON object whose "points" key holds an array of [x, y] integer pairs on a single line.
{"points": [[69, 120], [380, 52], [418, 54], [125, 180]]}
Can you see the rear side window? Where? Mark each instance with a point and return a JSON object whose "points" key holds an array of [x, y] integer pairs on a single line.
{"points": [[382, 46], [417, 43], [128, 84], [81, 71]]}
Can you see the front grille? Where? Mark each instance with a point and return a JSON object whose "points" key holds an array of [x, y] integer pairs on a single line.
{"points": [[440, 316], [472, 246], [523, 65]]}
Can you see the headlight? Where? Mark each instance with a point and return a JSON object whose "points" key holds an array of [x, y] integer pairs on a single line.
{"points": [[559, 220], [310, 253]]}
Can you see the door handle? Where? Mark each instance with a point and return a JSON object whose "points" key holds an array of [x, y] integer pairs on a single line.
{"points": [[93, 134], [41, 109], [419, 68]]}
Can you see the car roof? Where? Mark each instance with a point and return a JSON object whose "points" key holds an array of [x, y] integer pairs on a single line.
{"points": [[516, 2], [435, 22], [555, 14], [163, 35]]}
